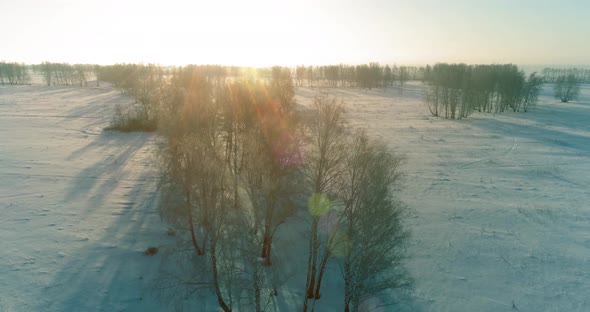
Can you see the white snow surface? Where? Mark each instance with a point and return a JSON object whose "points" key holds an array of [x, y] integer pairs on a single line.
{"points": [[77, 205], [500, 222]]}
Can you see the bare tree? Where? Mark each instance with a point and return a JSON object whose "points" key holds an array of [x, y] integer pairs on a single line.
{"points": [[567, 88], [372, 241], [387, 76], [324, 159], [281, 87], [531, 91], [403, 76], [47, 72], [14, 73], [187, 119], [96, 71], [300, 74], [231, 158]]}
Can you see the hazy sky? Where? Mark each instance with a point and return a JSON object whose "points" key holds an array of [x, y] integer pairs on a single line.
{"points": [[267, 32]]}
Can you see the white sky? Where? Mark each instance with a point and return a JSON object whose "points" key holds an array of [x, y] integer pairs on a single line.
{"points": [[289, 32]]}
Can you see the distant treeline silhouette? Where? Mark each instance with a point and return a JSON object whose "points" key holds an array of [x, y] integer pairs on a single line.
{"points": [[64, 74], [553, 74], [372, 75]]}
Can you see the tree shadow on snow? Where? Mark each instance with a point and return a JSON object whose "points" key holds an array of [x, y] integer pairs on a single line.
{"points": [[109, 271], [113, 150], [563, 126]]}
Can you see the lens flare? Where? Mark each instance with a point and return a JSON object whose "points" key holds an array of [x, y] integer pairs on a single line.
{"points": [[318, 204], [340, 244]]}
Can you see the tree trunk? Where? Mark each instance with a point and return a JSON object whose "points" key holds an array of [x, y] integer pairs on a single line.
{"points": [[257, 291], [267, 240], [235, 150], [264, 245], [347, 264], [321, 272], [267, 260], [191, 226], [311, 263], [347, 286], [308, 276], [220, 300], [312, 275]]}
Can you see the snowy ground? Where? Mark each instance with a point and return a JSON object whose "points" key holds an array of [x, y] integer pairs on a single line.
{"points": [[76, 205], [501, 203]]}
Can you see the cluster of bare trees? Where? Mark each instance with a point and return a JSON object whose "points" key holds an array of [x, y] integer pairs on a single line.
{"points": [[63, 74], [356, 221], [372, 75], [214, 74], [230, 154], [14, 73], [552, 75], [567, 87], [132, 79], [566, 81], [143, 83], [125, 76], [239, 162], [456, 90]]}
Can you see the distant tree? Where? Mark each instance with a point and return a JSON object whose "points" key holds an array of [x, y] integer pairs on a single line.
{"points": [[531, 91], [567, 88], [403, 75], [456, 90], [300, 74], [427, 75], [376, 75], [387, 76], [81, 74], [281, 87], [310, 74], [96, 70], [47, 72], [551, 74]]}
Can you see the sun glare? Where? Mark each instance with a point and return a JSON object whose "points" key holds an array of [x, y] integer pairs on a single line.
{"points": [[294, 155]]}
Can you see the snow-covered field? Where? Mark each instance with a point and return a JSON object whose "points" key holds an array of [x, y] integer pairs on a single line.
{"points": [[501, 202], [77, 205]]}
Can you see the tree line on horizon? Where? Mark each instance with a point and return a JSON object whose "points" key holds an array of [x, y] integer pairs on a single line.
{"points": [[64, 74], [453, 90], [372, 75], [14, 73], [552, 75]]}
